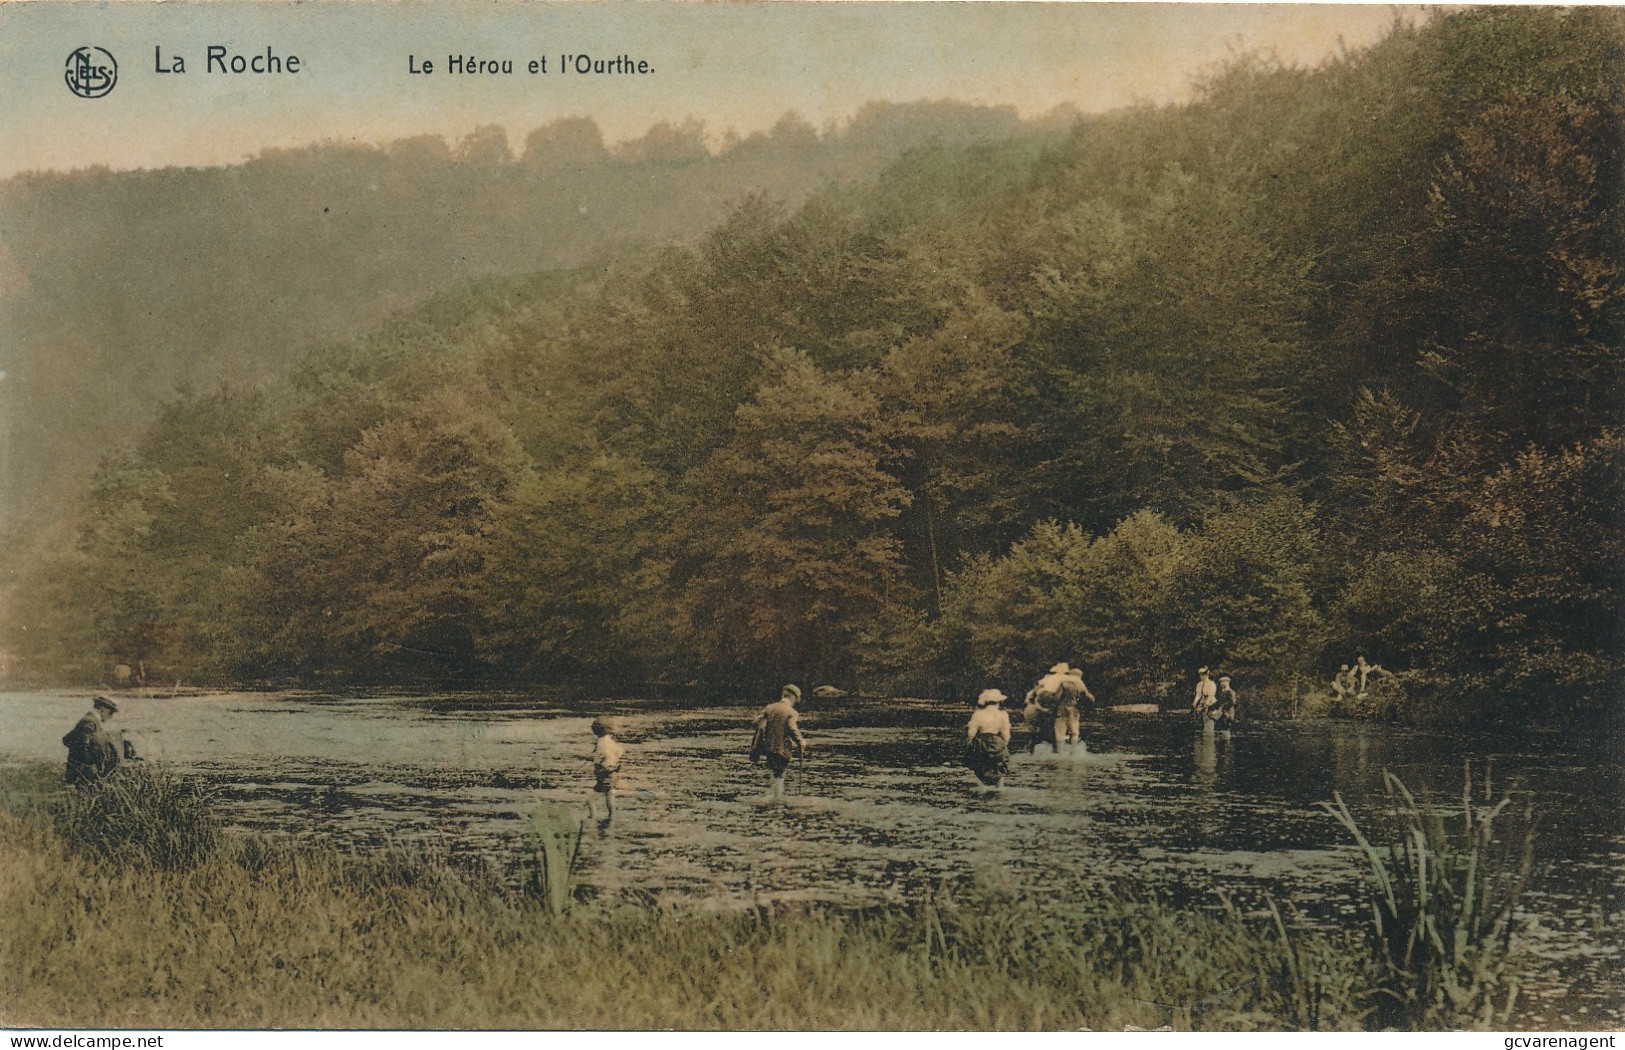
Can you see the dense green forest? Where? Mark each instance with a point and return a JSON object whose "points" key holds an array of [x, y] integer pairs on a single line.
{"points": [[117, 286], [1327, 361]]}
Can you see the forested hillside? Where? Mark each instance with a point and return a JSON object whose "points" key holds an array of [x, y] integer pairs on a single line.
{"points": [[116, 287], [1326, 362]]}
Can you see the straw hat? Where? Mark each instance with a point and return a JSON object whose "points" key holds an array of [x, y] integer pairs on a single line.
{"points": [[990, 697], [106, 703], [794, 691]]}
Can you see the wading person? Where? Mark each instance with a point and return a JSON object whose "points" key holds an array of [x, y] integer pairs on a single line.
{"points": [[607, 754], [987, 739], [1068, 723], [1227, 708], [1207, 694], [1040, 707], [1039, 720], [778, 738], [94, 747]]}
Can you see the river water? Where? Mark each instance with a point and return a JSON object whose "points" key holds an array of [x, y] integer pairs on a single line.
{"points": [[882, 811]]}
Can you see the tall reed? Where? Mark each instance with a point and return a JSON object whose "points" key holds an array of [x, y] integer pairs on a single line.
{"points": [[552, 844], [1444, 899], [269, 933], [142, 814]]}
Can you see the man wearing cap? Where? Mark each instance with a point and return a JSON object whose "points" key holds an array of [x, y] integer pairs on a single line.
{"points": [[778, 738], [607, 753], [94, 747], [1228, 705], [987, 739]]}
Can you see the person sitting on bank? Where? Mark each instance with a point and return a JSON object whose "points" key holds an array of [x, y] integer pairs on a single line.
{"points": [[1343, 683], [95, 748], [778, 738], [1362, 675], [987, 739]]}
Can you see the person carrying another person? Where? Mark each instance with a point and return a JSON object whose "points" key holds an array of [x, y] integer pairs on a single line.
{"points": [[95, 748], [778, 738], [1051, 707], [1067, 719], [987, 739]]}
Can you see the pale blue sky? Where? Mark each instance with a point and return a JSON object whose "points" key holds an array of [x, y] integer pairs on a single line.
{"points": [[738, 65]]}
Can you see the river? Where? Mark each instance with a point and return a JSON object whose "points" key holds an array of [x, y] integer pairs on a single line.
{"points": [[881, 810]]}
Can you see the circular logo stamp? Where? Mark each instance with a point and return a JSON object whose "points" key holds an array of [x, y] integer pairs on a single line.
{"points": [[91, 72]]}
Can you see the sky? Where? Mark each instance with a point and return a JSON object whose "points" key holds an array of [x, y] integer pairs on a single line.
{"points": [[738, 65]]}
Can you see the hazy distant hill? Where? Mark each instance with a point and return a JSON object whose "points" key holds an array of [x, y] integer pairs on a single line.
{"points": [[115, 287]]}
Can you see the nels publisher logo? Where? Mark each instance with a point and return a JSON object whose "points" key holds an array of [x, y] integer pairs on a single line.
{"points": [[91, 72]]}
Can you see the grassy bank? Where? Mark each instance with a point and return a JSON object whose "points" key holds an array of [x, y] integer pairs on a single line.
{"points": [[219, 931]]}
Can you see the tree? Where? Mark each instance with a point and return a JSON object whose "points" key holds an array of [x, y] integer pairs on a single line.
{"points": [[1169, 342], [383, 563], [562, 591], [786, 551], [1545, 534], [1244, 591], [1059, 594], [947, 401], [1525, 241]]}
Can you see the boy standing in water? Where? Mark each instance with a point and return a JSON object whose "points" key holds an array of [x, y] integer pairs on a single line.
{"points": [[778, 738], [606, 765], [1228, 706]]}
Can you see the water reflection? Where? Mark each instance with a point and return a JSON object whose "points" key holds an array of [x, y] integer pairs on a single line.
{"points": [[882, 810], [1207, 756]]}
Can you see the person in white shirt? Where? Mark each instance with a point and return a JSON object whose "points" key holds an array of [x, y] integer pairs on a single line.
{"points": [[987, 739], [1207, 691], [607, 754]]}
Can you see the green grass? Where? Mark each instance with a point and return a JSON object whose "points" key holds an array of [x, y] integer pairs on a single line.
{"points": [[144, 816], [126, 906], [251, 932], [1445, 891], [552, 844]]}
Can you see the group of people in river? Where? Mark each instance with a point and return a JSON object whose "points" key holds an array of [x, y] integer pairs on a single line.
{"points": [[776, 740], [1052, 709], [1215, 703]]}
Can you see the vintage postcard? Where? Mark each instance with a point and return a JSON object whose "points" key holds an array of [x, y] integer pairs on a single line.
{"points": [[811, 516]]}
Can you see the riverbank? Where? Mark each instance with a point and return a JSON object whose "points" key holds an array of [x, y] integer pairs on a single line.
{"points": [[249, 932]]}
